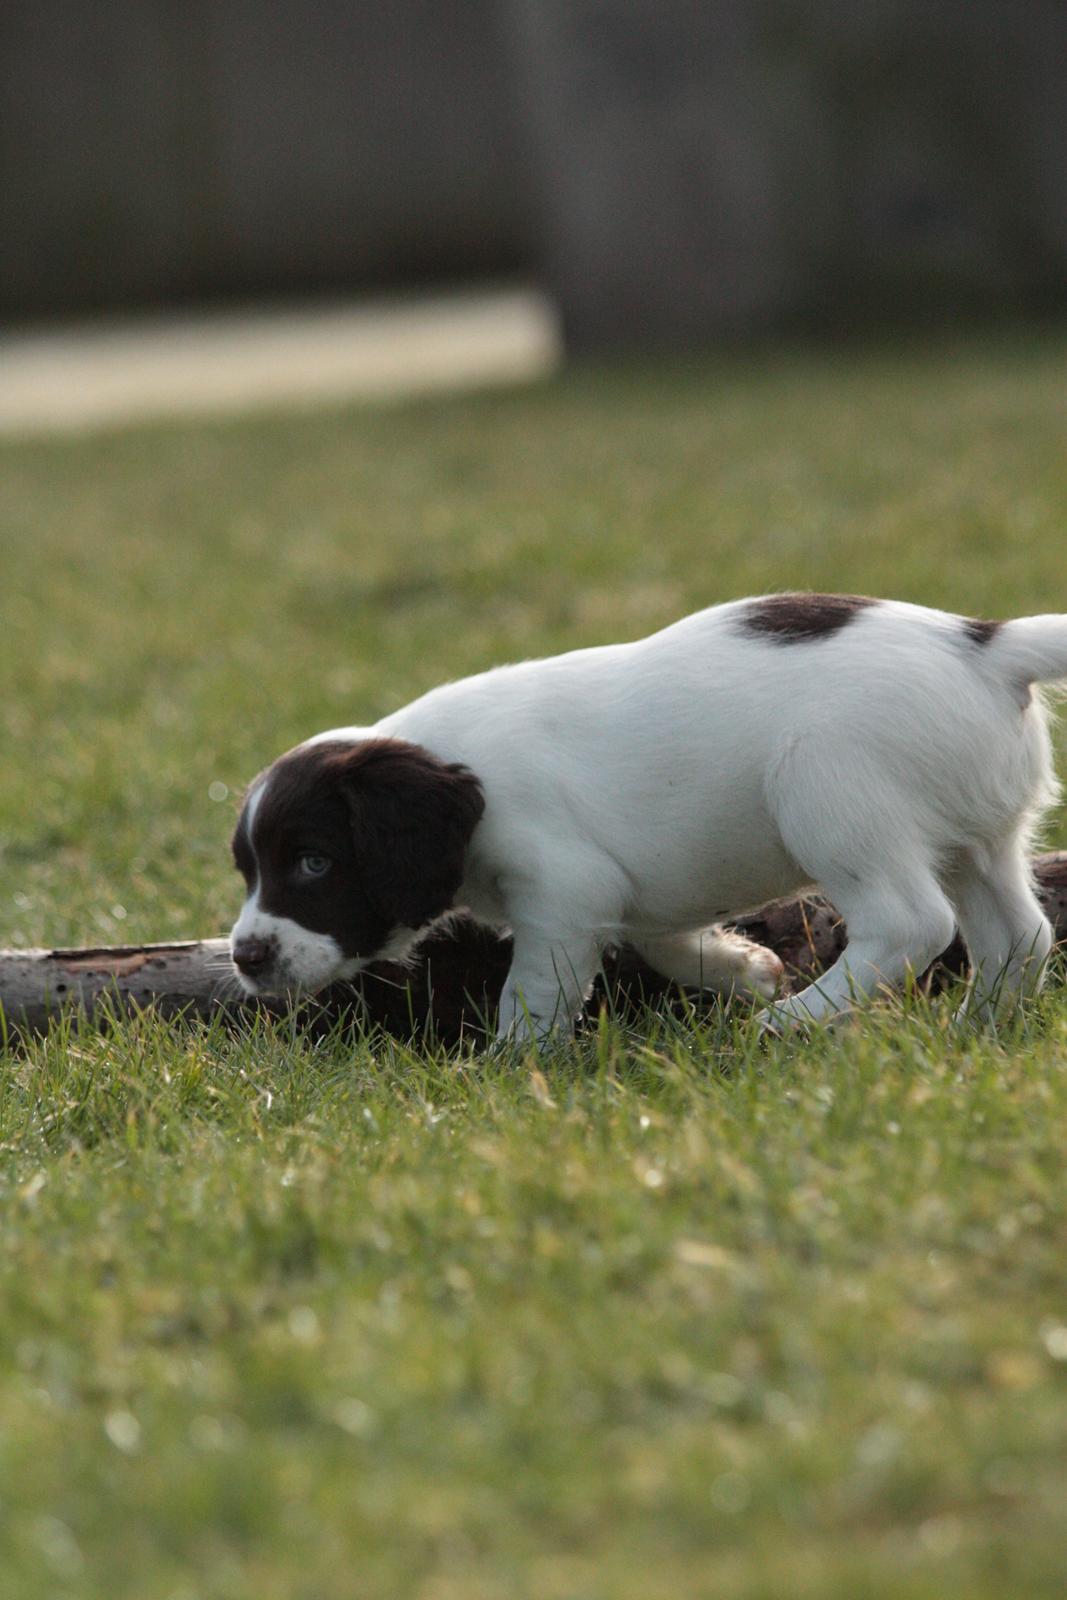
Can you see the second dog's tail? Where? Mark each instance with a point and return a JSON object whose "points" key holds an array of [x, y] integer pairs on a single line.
{"points": [[1030, 649]]}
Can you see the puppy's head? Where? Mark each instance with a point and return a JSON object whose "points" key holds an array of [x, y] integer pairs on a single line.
{"points": [[347, 849]]}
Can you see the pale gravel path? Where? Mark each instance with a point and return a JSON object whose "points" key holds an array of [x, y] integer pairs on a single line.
{"points": [[115, 371]]}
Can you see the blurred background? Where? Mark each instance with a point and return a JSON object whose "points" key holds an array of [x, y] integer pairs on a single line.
{"points": [[646, 173]]}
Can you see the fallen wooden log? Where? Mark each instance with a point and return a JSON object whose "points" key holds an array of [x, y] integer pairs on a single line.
{"points": [[448, 993]]}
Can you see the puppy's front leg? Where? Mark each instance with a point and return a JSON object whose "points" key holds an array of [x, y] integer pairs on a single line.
{"points": [[552, 971]]}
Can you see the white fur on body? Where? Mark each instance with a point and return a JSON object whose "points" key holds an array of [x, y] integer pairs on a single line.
{"points": [[640, 792]]}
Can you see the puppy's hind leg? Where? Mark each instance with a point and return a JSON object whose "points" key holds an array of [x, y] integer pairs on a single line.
{"points": [[895, 925], [1008, 936], [714, 958], [857, 834]]}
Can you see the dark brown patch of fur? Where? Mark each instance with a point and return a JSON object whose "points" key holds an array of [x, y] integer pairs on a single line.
{"points": [[802, 618], [392, 819], [979, 631], [412, 817]]}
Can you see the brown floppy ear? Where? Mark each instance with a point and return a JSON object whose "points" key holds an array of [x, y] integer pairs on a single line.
{"points": [[412, 818]]}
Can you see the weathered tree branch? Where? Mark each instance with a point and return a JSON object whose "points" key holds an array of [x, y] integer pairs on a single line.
{"points": [[449, 991]]}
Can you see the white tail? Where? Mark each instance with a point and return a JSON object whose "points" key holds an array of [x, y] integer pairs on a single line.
{"points": [[1032, 649]]}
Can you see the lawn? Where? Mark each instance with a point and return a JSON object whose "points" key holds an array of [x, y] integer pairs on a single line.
{"points": [[660, 1313]]}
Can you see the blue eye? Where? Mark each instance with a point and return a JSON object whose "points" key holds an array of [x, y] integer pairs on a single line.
{"points": [[312, 866]]}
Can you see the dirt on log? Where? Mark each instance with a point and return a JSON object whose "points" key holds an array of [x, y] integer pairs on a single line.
{"points": [[447, 993]]}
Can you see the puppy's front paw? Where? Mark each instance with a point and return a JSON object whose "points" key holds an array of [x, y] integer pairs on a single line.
{"points": [[762, 973], [747, 967]]}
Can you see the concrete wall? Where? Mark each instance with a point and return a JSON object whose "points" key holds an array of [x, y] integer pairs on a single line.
{"points": [[156, 149], [715, 169], [675, 170]]}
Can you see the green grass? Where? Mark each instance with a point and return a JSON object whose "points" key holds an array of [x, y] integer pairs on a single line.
{"points": [[661, 1313]]}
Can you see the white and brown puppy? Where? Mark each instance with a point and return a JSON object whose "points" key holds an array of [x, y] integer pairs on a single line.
{"points": [[895, 756]]}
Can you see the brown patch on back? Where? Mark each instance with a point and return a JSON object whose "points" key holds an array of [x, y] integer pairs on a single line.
{"points": [[979, 631], [802, 618]]}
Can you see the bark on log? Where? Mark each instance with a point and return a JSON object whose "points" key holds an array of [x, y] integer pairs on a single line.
{"points": [[448, 993]]}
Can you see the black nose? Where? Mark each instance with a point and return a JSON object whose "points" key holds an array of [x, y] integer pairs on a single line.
{"points": [[251, 955]]}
